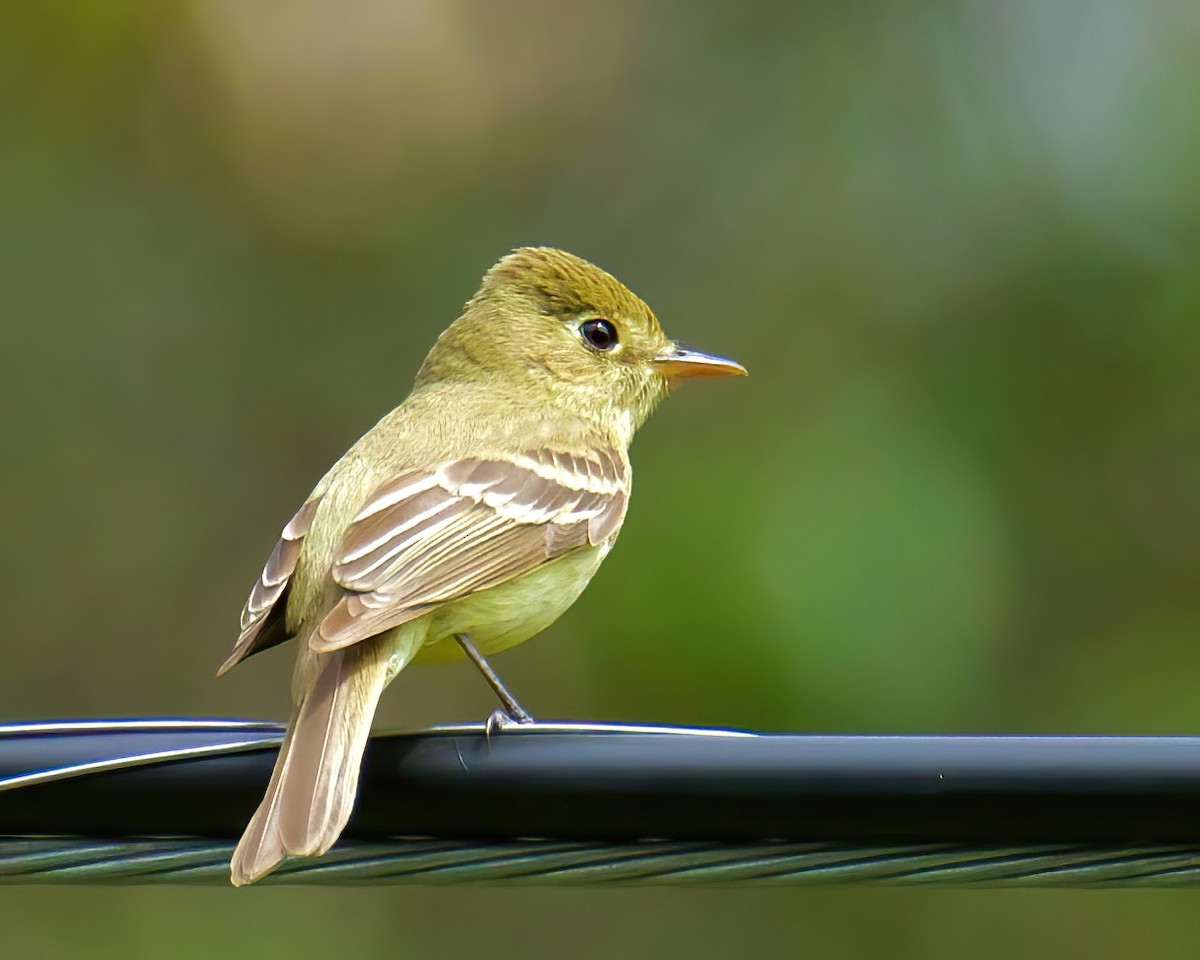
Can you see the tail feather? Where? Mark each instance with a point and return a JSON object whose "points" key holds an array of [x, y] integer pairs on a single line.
{"points": [[261, 848], [312, 789], [330, 737]]}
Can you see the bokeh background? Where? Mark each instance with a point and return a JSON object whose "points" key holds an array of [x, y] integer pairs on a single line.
{"points": [[956, 243]]}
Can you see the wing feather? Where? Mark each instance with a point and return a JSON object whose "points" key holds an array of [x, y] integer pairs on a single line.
{"points": [[262, 623], [424, 540]]}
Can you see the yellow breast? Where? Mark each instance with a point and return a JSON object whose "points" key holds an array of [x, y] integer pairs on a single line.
{"points": [[511, 613]]}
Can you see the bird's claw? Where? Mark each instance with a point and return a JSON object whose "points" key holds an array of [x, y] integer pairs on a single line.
{"points": [[501, 720]]}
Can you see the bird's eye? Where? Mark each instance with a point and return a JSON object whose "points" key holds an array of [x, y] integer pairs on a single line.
{"points": [[599, 334]]}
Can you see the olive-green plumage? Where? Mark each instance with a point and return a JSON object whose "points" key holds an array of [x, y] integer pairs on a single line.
{"points": [[479, 508]]}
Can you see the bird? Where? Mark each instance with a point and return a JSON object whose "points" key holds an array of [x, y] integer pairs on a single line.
{"points": [[464, 522]]}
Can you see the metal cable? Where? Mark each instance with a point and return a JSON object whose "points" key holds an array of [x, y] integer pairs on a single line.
{"points": [[161, 801], [80, 861]]}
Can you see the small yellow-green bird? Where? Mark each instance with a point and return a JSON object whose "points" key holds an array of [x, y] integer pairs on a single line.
{"points": [[463, 523]]}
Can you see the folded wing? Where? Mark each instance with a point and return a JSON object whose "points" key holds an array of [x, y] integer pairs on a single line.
{"points": [[263, 615], [429, 537]]}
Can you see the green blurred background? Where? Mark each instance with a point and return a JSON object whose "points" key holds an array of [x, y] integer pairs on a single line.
{"points": [[955, 243]]}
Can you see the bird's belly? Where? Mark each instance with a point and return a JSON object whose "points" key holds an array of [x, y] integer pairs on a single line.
{"points": [[512, 612]]}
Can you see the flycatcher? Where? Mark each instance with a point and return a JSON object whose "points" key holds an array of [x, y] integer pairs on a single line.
{"points": [[463, 523]]}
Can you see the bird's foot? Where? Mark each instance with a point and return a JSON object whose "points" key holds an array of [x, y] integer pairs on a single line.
{"points": [[502, 720]]}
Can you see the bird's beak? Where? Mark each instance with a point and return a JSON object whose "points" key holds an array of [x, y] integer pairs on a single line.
{"points": [[679, 363]]}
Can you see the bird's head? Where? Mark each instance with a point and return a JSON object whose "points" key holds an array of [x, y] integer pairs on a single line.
{"points": [[546, 320]]}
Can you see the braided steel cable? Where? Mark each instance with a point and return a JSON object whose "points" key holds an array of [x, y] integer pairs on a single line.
{"points": [[662, 863]]}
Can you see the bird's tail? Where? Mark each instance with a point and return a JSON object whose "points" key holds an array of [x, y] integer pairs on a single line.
{"points": [[313, 786]]}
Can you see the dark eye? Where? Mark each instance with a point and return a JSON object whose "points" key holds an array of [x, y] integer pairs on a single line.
{"points": [[600, 334]]}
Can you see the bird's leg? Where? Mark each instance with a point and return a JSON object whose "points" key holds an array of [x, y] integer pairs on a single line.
{"points": [[512, 710]]}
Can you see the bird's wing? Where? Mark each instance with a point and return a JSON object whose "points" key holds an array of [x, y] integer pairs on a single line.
{"points": [[428, 537], [263, 615]]}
